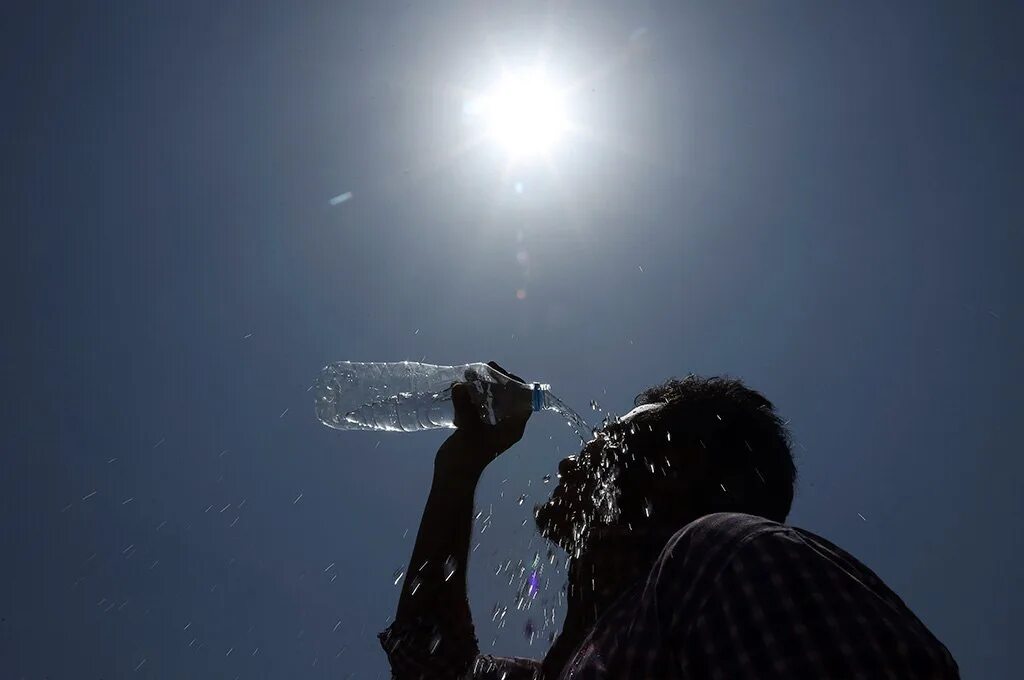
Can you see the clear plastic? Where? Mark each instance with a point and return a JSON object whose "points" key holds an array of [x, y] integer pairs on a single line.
{"points": [[408, 396]]}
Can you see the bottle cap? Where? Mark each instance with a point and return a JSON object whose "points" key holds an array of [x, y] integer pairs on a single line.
{"points": [[538, 395]]}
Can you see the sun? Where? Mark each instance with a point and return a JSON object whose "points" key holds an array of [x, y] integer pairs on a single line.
{"points": [[524, 113]]}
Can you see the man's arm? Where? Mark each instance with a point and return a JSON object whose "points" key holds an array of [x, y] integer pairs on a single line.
{"points": [[435, 583], [432, 635]]}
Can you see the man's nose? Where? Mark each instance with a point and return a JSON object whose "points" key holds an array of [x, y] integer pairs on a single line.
{"points": [[571, 464], [567, 466]]}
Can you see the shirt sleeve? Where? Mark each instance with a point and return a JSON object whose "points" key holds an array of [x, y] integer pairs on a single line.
{"points": [[421, 650], [786, 603]]}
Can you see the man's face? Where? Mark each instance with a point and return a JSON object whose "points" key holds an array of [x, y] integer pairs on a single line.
{"points": [[588, 487]]}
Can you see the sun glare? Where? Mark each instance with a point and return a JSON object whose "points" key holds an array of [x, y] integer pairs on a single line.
{"points": [[524, 113]]}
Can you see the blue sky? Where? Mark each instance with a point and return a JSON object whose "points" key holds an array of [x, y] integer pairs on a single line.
{"points": [[824, 201]]}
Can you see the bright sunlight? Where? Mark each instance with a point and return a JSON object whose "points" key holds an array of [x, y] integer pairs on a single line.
{"points": [[524, 113]]}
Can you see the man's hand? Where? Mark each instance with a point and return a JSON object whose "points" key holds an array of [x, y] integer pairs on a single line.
{"points": [[475, 443]]}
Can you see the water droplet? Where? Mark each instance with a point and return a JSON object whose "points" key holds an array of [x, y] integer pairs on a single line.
{"points": [[533, 584], [521, 499], [450, 567], [546, 479], [594, 405], [397, 576]]}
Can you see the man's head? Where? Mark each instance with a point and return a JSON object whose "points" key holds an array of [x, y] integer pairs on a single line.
{"points": [[691, 447]]}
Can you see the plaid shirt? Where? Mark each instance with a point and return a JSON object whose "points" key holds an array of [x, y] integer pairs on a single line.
{"points": [[729, 596]]}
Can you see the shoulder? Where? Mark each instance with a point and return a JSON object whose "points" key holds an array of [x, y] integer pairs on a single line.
{"points": [[782, 592], [725, 525], [717, 534], [720, 541], [695, 557]]}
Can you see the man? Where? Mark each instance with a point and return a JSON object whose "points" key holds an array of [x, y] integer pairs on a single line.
{"points": [[680, 566]]}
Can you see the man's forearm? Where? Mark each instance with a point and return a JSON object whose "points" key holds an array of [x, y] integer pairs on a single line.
{"points": [[435, 581]]}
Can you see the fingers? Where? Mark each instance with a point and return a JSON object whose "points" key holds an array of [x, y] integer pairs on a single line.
{"points": [[459, 395], [463, 404], [499, 369]]}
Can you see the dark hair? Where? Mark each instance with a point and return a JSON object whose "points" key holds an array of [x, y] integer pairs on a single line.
{"points": [[748, 445]]}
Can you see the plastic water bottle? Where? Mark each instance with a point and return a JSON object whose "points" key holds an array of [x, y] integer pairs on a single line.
{"points": [[408, 396]]}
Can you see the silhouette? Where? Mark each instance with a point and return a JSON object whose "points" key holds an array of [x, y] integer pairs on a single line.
{"points": [[680, 566]]}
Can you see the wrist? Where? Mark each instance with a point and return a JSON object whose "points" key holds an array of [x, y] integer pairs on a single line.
{"points": [[459, 463]]}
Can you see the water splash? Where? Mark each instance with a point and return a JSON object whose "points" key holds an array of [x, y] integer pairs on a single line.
{"points": [[572, 419]]}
